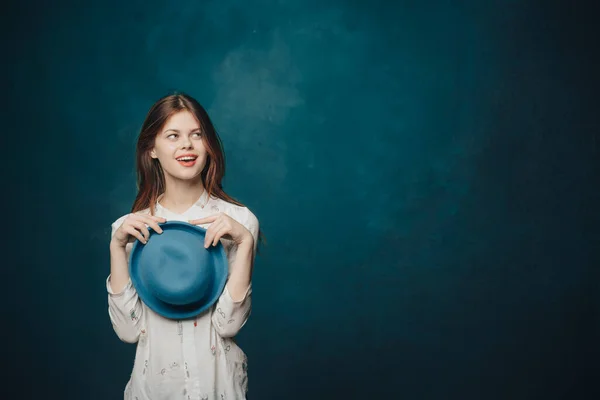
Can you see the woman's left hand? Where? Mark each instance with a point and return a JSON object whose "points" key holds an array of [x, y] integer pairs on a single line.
{"points": [[223, 226]]}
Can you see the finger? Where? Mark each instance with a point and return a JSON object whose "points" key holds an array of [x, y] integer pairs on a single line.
{"points": [[220, 233], [142, 215], [139, 225], [135, 233], [153, 224], [150, 220], [145, 217], [204, 220], [210, 233]]}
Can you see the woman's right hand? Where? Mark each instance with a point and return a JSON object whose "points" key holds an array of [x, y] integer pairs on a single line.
{"points": [[135, 227]]}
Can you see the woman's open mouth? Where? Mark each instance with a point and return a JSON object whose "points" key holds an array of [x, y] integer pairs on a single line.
{"points": [[187, 161]]}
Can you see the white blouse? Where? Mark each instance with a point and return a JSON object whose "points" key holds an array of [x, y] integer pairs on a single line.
{"points": [[195, 359]]}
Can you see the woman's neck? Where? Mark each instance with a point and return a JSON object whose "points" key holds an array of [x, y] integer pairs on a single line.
{"points": [[180, 196]]}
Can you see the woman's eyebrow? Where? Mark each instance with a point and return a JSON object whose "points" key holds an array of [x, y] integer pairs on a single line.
{"points": [[178, 131]]}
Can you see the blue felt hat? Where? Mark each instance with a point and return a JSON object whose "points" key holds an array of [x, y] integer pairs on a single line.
{"points": [[174, 274]]}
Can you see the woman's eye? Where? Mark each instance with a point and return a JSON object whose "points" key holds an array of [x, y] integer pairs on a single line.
{"points": [[198, 134], [172, 135]]}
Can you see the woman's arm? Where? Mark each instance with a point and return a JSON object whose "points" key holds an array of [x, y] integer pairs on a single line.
{"points": [[235, 303], [124, 306], [233, 307]]}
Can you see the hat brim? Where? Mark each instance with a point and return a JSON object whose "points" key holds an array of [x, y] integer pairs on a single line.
{"points": [[175, 311]]}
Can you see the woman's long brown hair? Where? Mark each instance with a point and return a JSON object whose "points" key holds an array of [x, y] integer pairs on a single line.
{"points": [[150, 176]]}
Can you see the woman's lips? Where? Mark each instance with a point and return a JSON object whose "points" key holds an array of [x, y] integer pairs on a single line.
{"points": [[187, 163]]}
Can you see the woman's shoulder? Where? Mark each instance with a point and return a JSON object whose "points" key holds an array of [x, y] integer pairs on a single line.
{"points": [[242, 214]]}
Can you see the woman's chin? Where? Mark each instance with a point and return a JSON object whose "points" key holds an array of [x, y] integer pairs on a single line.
{"points": [[186, 176]]}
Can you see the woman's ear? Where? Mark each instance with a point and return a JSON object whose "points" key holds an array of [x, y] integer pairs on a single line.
{"points": [[153, 154]]}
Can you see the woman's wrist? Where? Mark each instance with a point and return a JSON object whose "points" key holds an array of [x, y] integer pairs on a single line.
{"points": [[116, 247], [247, 242]]}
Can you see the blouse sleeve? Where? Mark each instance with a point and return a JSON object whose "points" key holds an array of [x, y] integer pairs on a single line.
{"points": [[124, 306], [230, 316]]}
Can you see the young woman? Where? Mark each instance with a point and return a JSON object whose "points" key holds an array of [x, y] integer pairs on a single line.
{"points": [[180, 164]]}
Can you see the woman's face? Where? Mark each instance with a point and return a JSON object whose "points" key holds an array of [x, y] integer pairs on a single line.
{"points": [[179, 147]]}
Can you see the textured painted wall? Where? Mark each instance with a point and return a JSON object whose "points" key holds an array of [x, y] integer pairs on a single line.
{"points": [[423, 172]]}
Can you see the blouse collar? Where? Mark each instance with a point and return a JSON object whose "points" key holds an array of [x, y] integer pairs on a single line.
{"points": [[201, 202]]}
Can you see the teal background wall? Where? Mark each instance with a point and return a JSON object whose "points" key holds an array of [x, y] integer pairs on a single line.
{"points": [[425, 174]]}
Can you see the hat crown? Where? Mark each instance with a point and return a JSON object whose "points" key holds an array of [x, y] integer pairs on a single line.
{"points": [[175, 269], [178, 276]]}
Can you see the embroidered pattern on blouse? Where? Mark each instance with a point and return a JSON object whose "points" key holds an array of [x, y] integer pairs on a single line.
{"points": [[226, 346], [143, 337]]}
